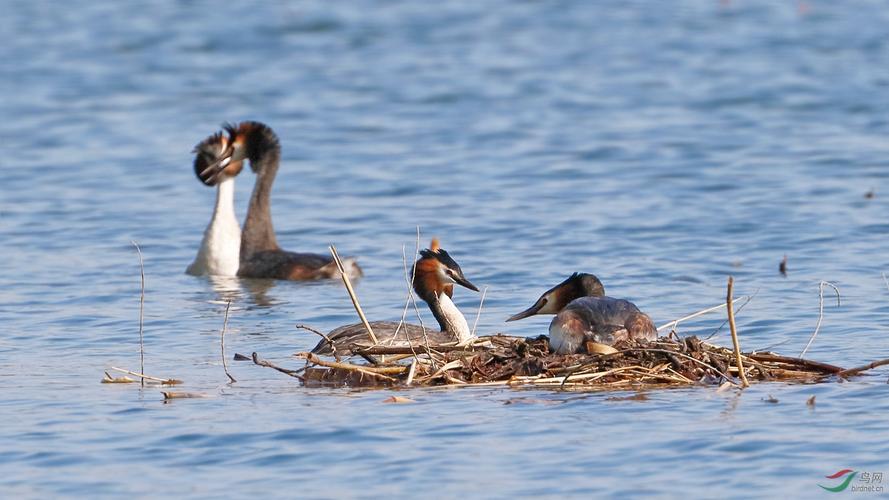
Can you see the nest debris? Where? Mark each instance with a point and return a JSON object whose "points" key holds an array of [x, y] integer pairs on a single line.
{"points": [[516, 361]]}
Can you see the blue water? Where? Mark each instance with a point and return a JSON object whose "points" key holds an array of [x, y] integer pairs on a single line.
{"points": [[660, 145]]}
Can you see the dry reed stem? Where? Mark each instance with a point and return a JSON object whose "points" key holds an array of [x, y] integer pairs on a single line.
{"points": [[141, 311], [820, 312], [409, 278], [737, 310], [165, 381], [222, 342], [348, 283], [411, 372], [731, 324], [695, 315], [410, 294], [478, 315]]}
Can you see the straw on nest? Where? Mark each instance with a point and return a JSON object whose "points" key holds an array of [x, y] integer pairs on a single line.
{"points": [[515, 361]]}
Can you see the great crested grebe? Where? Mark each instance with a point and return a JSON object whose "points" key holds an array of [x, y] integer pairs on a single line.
{"points": [[583, 313], [219, 250], [261, 257], [434, 279]]}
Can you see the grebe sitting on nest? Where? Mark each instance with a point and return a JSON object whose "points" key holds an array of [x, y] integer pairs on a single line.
{"points": [[219, 252], [584, 314], [434, 279], [261, 257]]}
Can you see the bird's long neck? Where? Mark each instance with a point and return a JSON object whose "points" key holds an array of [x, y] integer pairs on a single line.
{"points": [[449, 318], [259, 234], [225, 201]]}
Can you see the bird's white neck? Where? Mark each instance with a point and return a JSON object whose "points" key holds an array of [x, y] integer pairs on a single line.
{"points": [[450, 319], [225, 201], [220, 247]]}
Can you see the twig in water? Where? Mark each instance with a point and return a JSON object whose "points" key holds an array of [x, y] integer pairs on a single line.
{"points": [[820, 312], [731, 324], [164, 381], [141, 311], [478, 315], [119, 380], [348, 283], [222, 341], [859, 369], [695, 315], [885, 280], [268, 364], [323, 336]]}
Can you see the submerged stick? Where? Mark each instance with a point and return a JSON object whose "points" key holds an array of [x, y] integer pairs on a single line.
{"points": [[731, 325], [222, 341], [695, 315], [141, 311], [820, 312], [348, 283]]}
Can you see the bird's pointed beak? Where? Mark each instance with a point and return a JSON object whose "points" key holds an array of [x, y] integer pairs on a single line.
{"points": [[531, 311], [219, 165], [462, 281]]}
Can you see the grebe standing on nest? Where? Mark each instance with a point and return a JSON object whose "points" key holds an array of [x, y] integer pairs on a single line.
{"points": [[219, 252], [584, 313], [434, 279], [261, 257]]}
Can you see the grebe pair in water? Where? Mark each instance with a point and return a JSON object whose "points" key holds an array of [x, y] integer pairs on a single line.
{"points": [[253, 253]]}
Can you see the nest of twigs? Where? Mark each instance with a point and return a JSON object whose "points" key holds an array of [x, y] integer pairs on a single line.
{"points": [[516, 361]]}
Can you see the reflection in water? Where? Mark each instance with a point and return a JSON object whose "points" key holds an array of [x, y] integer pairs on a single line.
{"points": [[227, 288], [258, 290]]}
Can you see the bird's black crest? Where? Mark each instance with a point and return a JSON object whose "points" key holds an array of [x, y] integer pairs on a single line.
{"points": [[202, 146], [442, 256], [260, 138]]}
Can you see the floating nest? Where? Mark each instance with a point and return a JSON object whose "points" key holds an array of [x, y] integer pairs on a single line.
{"points": [[516, 362]]}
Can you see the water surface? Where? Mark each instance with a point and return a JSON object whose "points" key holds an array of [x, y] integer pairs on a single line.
{"points": [[659, 146]]}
